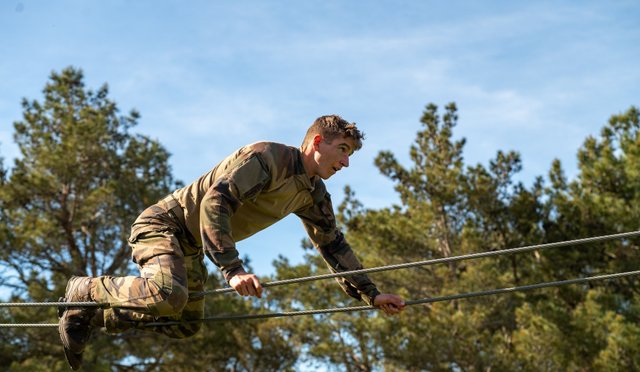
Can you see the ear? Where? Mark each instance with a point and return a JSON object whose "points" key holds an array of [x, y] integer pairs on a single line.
{"points": [[316, 141]]}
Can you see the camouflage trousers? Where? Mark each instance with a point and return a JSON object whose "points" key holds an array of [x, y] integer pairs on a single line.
{"points": [[171, 267]]}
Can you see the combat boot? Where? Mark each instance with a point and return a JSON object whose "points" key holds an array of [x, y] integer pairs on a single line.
{"points": [[75, 323]]}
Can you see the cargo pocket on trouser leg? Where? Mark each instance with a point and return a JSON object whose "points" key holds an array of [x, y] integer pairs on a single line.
{"points": [[167, 284], [160, 292], [193, 311], [161, 288]]}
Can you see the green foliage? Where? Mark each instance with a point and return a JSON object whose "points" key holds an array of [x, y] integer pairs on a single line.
{"points": [[67, 205], [65, 210], [436, 178], [345, 340], [449, 208]]}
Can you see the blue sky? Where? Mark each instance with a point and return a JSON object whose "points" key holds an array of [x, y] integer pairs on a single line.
{"points": [[208, 77]]}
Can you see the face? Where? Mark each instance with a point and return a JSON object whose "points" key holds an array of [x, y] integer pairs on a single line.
{"points": [[333, 156]]}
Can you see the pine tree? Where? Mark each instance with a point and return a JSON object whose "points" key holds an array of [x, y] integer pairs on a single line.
{"points": [[67, 205]]}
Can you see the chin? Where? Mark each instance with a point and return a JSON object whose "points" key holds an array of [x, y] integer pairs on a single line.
{"points": [[327, 175]]}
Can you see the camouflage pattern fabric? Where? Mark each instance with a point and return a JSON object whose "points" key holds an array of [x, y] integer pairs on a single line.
{"points": [[248, 191], [319, 222], [170, 268], [253, 188]]}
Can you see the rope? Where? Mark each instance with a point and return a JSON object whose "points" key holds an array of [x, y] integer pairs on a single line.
{"points": [[435, 261], [29, 325], [363, 271], [53, 304], [408, 303], [364, 308]]}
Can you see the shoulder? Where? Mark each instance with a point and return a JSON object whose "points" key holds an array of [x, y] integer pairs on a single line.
{"points": [[271, 149], [278, 157]]}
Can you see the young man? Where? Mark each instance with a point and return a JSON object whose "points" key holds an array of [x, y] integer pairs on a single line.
{"points": [[248, 191]]}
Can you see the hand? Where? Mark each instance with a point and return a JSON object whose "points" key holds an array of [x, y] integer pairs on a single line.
{"points": [[246, 284], [389, 303]]}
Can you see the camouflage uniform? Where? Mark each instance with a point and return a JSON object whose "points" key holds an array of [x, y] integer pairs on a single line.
{"points": [[248, 191]]}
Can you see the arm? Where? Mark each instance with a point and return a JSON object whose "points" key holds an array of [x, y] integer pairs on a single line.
{"points": [[340, 257], [319, 221], [243, 180]]}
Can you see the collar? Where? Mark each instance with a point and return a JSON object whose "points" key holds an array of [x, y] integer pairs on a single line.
{"points": [[301, 176]]}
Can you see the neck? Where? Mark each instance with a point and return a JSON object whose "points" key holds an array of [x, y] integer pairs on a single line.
{"points": [[307, 160]]}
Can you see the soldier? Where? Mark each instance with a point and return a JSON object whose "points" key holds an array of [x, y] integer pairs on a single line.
{"points": [[253, 188]]}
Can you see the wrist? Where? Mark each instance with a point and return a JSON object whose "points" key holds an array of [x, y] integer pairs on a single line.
{"points": [[230, 273], [370, 297]]}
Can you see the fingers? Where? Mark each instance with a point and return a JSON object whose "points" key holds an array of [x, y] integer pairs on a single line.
{"points": [[397, 301], [247, 285], [389, 303], [245, 289], [250, 287], [390, 309]]}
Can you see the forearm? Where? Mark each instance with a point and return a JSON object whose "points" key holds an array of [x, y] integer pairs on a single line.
{"points": [[340, 257], [217, 238]]}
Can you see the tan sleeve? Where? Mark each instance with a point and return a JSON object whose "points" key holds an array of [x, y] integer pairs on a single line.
{"points": [[319, 221], [242, 180]]}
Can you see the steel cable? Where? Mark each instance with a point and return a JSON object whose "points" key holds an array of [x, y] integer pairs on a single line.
{"points": [[362, 271], [435, 261], [363, 308]]}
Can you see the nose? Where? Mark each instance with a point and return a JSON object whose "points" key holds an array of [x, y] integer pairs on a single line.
{"points": [[345, 161]]}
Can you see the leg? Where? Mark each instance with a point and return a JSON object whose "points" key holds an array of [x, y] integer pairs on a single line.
{"points": [[160, 291], [194, 309], [137, 306]]}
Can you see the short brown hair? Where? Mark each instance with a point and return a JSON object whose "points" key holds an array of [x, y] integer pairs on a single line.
{"points": [[331, 127]]}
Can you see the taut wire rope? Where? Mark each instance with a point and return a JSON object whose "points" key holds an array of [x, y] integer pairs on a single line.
{"points": [[363, 308], [364, 271]]}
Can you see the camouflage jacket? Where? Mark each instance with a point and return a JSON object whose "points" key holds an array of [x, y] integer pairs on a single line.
{"points": [[253, 188]]}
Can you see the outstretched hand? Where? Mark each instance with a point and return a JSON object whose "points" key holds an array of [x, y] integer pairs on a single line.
{"points": [[389, 303], [246, 284]]}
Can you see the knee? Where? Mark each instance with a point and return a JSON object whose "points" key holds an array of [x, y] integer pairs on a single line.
{"points": [[170, 301]]}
